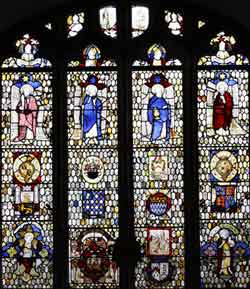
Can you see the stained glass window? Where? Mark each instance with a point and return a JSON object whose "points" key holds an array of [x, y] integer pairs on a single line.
{"points": [[93, 173], [125, 164], [26, 187], [223, 132]]}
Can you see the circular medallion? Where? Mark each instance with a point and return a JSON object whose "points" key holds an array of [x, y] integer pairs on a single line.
{"points": [[224, 166], [26, 168], [92, 170], [158, 204]]}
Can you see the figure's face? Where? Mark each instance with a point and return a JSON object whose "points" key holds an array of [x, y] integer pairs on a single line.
{"points": [[91, 90], [157, 54], [27, 90], [222, 87], [92, 54], [158, 90], [28, 237], [224, 234], [224, 167], [27, 170], [28, 48]]}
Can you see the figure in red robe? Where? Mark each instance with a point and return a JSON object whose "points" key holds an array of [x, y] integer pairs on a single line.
{"points": [[27, 107], [222, 108]]}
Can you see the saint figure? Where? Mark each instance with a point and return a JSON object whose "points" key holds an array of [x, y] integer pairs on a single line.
{"points": [[160, 111], [222, 108], [27, 108], [92, 109], [225, 245]]}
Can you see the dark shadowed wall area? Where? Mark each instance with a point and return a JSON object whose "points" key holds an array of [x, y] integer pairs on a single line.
{"points": [[13, 11]]}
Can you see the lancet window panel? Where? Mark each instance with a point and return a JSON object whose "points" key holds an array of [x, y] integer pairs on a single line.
{"points": [[93, 171], [158, 169], [223, 129], [27, 169]]}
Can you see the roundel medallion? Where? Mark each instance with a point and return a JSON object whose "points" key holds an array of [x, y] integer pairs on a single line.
{"points": [[224, 166], [26, 168], [92, 170]]}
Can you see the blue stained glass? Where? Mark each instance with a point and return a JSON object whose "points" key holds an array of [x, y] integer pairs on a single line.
{"points": [[94, 204]]}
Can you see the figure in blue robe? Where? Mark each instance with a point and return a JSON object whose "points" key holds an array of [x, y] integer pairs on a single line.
{"points": [[92, 115], [159, 113], [92, 109]]}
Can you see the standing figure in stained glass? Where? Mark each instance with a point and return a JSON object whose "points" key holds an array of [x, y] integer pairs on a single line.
{"points": [[224, 254], [160, 110], [26, 108], [222, 97], [222, 109], [223, 236], [92, 109]]}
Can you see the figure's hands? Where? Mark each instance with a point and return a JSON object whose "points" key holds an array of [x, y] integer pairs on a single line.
{"points": [[223, 98], [156, 113], [19, 107]]}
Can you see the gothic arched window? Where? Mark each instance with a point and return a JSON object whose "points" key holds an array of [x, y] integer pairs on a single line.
{"points": [[125, 149]]}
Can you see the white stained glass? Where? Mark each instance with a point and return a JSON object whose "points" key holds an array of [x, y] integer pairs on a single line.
{"points": [[108, 21], [75, 24], [140, 20]]}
